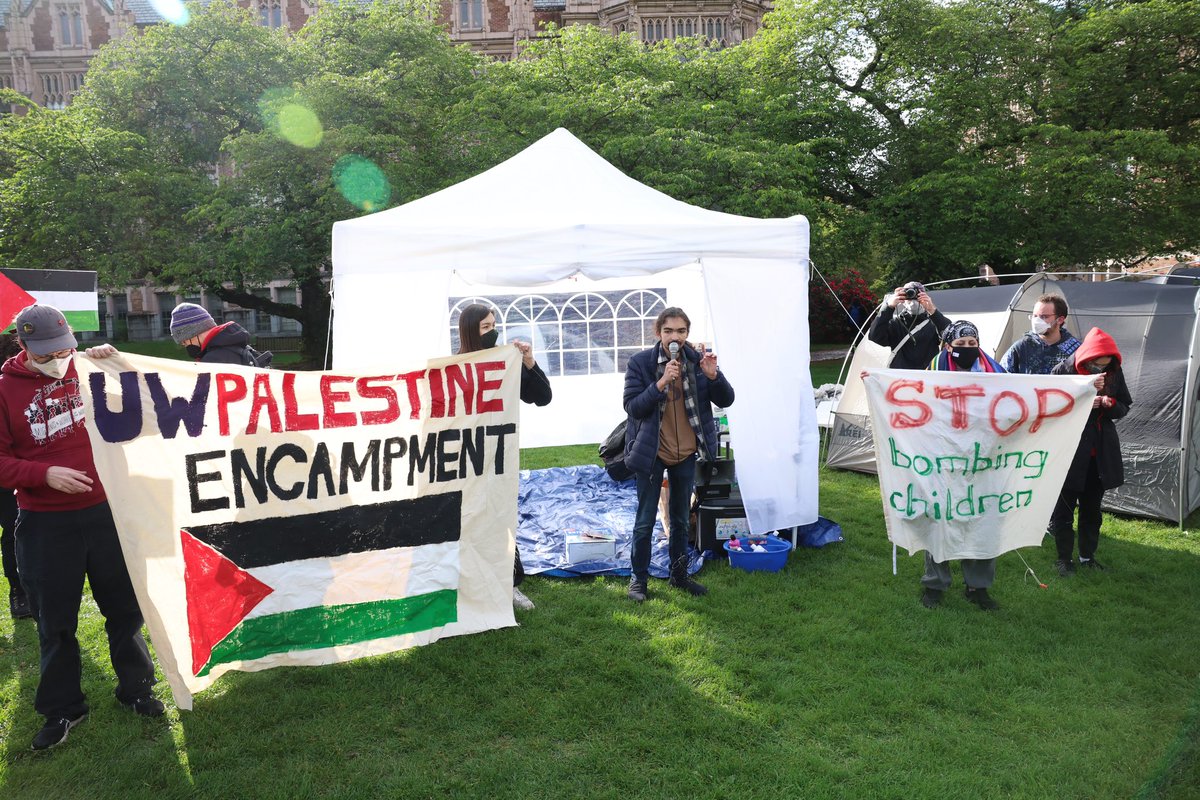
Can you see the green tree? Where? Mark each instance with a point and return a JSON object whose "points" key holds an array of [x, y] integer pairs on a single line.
{"points": [[1012, 132], [75, 194]]}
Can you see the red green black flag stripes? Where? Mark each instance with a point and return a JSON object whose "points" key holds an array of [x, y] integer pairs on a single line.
{"points": [[73, 292], [238, 611]]}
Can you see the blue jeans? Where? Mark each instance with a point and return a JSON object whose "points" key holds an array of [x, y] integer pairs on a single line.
{"points": [[682, 478]]}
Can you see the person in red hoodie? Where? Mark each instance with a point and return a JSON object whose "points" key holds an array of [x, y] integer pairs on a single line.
{"points": [[65, 529], [1097, 465]]}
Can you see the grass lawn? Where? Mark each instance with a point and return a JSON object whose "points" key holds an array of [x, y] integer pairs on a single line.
{"points": [[827, 680], [168, 349]]}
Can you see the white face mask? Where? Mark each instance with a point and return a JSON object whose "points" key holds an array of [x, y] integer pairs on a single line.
{"points": [[55, 367], [1040, 325], [910, 308]]}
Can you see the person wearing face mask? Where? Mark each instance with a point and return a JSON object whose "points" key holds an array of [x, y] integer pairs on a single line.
{"points": [[961, 353], [1046, 344], [1097, 465], [910, 325], [196, 331], [65, 529], [477, 331]]}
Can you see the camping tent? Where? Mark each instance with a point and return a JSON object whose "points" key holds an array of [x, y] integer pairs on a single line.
{"points": [[1155, 325], [558, 215]]}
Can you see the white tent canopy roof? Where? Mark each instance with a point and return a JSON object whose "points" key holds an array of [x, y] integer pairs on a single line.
{"points": [[553, 210]]}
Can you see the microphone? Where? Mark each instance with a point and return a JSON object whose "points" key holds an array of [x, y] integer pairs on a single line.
{"points": [[673, 347]]}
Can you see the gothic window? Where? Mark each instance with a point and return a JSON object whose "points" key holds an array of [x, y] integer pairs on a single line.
{"points": [[52, 91], [470, 15], [70, 27], [270, 13]]}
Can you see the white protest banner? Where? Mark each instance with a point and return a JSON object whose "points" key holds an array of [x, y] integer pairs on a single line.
{"points": [[275, 518], [971, 463]]}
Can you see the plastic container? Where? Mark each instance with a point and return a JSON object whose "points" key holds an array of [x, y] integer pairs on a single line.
{"points": [[771, 561]]}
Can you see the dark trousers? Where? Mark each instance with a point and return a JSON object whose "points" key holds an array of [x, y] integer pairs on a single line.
{"points": [[681, 478], [8, 539], [518, 570], [1061, 521], [55, 550]]}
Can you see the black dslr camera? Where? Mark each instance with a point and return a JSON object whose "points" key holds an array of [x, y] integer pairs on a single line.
{"points": [[913, 290]]}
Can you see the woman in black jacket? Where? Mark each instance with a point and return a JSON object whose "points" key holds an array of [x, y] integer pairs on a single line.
{"points": [[477, 331], [1097, 465]]}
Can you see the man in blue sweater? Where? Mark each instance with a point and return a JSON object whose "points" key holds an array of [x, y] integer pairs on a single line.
{"points": [[669, 392], [1048, 342]]}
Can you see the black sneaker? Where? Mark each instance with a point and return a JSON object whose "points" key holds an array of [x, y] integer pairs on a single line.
{"points": [[688, 585], [981, 598], [1065, 567], [146, 706], [1091, 563], [637, 590], [18, 606], [931, 598], [55, 731]]}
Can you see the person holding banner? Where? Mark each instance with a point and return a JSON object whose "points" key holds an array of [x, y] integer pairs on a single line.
{"points": [[1097, 465], [1046, 344], [910, 325], [961, 352], [477, 331], [669, 393], [65, 529]]}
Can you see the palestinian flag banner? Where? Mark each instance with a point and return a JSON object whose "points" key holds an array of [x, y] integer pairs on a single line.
{"points": [[73, 292], [275, 518]]}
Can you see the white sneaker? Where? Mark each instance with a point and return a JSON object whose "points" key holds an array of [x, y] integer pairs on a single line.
{"points": [[521, 601]]}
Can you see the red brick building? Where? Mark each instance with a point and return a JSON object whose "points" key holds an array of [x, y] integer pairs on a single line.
{"points": [[45, 45]]}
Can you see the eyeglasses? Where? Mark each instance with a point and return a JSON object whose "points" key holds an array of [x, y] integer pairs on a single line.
{"points": [[51, 356]]}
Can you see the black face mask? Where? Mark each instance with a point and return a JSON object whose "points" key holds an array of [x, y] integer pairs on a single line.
{"points": [[194, 350], [1095, 368], [488, 339], [964, 357]]}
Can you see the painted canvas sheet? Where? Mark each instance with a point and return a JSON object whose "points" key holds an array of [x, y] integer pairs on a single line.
{"points": [[276, 518], [971, 464]]}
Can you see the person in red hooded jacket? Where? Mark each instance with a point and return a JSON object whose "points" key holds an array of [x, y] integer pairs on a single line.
{"points": [[65, 529], [1097, 465]]}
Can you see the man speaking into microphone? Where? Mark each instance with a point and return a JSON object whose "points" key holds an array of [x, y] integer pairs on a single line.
{"points": [[669, 392]]}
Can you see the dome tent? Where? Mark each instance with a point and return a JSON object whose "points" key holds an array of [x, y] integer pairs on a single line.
{"points": [[1155, 326], [557, 211]]}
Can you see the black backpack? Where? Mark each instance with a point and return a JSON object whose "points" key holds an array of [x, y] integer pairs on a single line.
{"points": [[612, 452], [255, 358]]}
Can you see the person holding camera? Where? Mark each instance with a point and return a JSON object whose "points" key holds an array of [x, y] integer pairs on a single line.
{"points": [[910, 325]]}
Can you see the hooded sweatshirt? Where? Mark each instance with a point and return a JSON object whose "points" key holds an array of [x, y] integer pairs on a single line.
{"points": [[41, 426], [1099, 440]]}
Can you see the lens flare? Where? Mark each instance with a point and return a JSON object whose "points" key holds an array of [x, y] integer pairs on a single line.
{"points": [[285, 114], [362, 183], [173, 11], [299, 125]]}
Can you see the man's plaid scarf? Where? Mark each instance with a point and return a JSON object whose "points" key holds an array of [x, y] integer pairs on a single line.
{"points": [[691, 396]]}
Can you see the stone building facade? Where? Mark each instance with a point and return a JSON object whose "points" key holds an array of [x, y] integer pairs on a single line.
{"points": [[45, 45]]}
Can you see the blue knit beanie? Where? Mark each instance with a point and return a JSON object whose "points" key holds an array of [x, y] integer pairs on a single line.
{"points": [[188, 320]]}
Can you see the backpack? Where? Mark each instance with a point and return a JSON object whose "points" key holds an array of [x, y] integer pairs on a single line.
{"points": [[256, 358], [612, 452]]}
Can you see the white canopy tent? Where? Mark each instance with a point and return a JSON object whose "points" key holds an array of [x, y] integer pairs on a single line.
{"points": [[557, 214]]}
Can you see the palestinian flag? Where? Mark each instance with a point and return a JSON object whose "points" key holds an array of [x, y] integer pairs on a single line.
{"points": [[333, 578], [73, 292]]}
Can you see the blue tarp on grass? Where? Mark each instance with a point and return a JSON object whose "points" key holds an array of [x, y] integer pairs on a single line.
{"points": [[554, 502]]}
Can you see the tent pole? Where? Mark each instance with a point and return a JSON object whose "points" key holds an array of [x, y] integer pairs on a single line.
{"points": [[328, 327]]}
